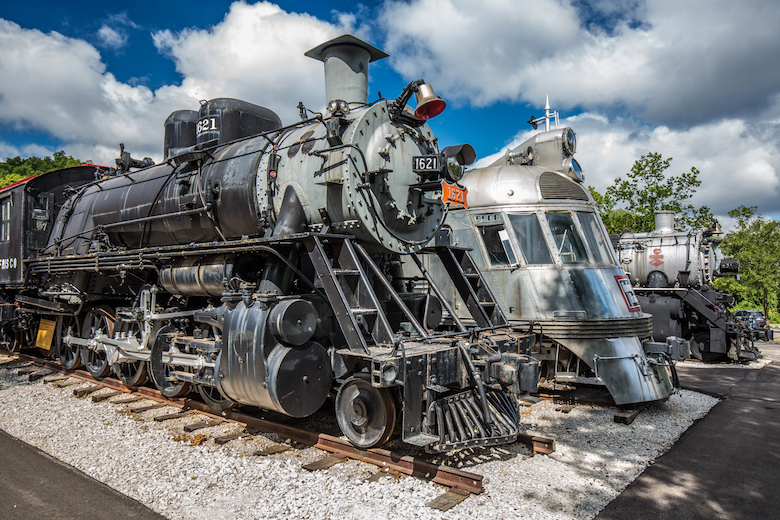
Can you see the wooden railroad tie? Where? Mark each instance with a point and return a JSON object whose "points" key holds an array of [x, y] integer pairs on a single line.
{"points": [[102, 397], [170, 416], [55, 378], [40, 374], [129, 399], [202, 424], [324, 463], [83, 392], [230, 437], [273, 450], [142, 409], [448, 500]]}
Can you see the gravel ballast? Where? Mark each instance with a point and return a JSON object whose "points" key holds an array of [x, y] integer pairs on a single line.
{"points": [[187, 476]]}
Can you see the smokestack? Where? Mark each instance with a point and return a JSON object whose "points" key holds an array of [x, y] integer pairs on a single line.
{"points": [[346, 61], [664, 221]]}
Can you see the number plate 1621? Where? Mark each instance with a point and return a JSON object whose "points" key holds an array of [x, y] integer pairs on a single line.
{"points": [[426, 163]]}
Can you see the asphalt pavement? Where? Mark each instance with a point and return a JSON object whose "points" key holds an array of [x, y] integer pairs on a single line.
{"points": [[36, 486], [725, 466]]}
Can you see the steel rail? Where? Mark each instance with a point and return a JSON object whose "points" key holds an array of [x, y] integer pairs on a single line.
{"points": [[458, 480]]}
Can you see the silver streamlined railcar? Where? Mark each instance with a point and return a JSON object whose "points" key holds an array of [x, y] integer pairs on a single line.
{"points": [[538, 239]]}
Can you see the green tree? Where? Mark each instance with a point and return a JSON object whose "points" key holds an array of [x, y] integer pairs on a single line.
{"points": [[15, 168], [631, 203], [755, 242]]}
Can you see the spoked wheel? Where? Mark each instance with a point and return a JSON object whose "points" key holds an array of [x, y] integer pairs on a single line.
{"points": [[700, 348], [69, 355], [167, 385], [99, 320], [215, 399], [131, 373], [365, 414]]}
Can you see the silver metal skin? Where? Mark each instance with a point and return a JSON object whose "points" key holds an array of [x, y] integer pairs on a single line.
{"points": [[668, 252], [580, 306]]}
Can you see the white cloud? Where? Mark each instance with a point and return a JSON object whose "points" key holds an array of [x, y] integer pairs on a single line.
{"points": [[111, 38], [737, 165], [667, 61], [61, 85]]}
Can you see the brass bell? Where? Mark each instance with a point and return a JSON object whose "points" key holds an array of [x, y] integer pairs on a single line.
{"points": [[428, 103]]}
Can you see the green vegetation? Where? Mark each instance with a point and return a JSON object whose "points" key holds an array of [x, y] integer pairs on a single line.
{"points": [[15, 168], [630, 204], [755, 242]]}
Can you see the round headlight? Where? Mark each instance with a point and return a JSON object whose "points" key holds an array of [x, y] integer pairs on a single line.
{"points": [[569, 141], [573, 169]]}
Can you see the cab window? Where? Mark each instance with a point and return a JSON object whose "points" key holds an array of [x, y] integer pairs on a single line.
{"points": [[496, 240], [594, 236], [5, 219], [568, 241], [531, 238]]}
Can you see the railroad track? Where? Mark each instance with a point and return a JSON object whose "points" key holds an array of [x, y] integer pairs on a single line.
{"points": [[461, 483]]}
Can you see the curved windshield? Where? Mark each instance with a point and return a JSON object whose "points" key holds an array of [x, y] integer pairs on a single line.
{"points": [[531, 238], [568, 241], [594, 236]]}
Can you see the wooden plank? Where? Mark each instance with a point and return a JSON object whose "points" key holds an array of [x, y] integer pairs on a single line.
{"points": [[55, 378], [200, 425], [273, 450], [447, 501], [230, 437], [83, 392], [128, 400], [68, 382], [142, 409], [169, 416], [324, 463], [627, 416], [566, 408], [102, 397], [40, 374]]}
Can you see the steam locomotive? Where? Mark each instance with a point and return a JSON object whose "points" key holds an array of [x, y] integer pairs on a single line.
{"points": [[673, 272], [254, 266], [539, 241]]}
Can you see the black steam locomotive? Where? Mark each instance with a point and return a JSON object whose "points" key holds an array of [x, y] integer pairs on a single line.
{"points": [[255, 266]]}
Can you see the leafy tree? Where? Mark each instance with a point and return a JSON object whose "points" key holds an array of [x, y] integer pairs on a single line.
{"points": [[631, 203], [755, 242], [15, 168]]}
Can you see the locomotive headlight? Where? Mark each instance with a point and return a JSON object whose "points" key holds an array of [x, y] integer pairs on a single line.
{"points": [[573, 169], [569, 141], [457, 157], [338, 107]]}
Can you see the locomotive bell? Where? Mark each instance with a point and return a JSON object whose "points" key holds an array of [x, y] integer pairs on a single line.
{"points": [[428, 103]]}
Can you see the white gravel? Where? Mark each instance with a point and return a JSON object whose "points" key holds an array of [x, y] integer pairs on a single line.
{"points": [[595, 459]]}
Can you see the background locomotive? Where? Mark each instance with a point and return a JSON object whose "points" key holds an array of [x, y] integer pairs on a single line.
{"points": [[253, 267], [673, 273], [539, 241]]}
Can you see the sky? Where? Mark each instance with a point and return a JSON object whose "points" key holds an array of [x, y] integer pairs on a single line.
{"points": [[695, 80]]}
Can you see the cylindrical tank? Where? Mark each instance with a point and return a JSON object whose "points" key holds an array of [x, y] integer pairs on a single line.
{"points": [[256, 368], [180, 128], [226, 119], [665, 257]]}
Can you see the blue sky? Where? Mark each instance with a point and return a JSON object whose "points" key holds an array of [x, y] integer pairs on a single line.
{"points": [[698, 80]]}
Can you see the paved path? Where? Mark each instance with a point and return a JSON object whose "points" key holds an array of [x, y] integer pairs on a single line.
{"points": [[35, 486], [727, 465]]}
